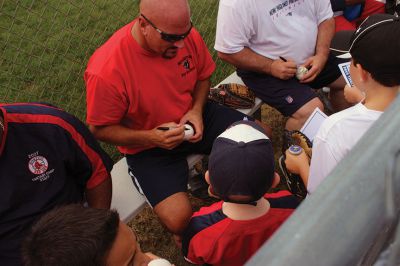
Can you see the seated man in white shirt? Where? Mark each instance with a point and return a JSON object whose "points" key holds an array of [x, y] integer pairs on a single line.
{"points": [[376, 72], [269, 41]]}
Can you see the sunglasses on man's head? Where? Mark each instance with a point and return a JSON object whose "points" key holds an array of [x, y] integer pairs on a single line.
{"points": [[169, 37]]}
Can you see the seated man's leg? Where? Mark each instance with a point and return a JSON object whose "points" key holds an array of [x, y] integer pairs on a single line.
{"points": [[336, 95], [175, 213], [290, 97], [161, 175], [216, 118], [331, 77], [297, 120]]}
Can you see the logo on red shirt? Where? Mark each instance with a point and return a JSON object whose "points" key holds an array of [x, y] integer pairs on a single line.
{"points": [[38, 165], [187, 63]]}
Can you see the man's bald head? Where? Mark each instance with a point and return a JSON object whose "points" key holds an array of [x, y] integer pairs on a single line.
{"points": [[159, 20], [166, 12]]}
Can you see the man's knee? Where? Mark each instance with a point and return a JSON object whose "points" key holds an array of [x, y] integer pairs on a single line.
{"points": [[305, 111], [175, 212]]}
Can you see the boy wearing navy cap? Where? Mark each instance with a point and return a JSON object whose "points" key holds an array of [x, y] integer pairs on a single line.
{"points": [[241, 170], [375, 70]]}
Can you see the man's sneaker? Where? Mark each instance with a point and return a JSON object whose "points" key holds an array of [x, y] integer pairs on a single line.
{"points": [[197, 185], [293, 182]]}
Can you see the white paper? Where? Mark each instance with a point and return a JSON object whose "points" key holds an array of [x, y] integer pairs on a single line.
{"points": [[313, 123], [345, 69]]}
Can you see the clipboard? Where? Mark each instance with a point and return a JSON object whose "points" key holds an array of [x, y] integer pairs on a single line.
{"points": [[313, 123], [345, 70]]}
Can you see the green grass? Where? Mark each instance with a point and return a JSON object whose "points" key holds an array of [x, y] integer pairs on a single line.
{"points": [[44, 49], [45, 46]]}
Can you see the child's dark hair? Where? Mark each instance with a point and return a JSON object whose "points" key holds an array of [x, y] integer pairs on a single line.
{"points": [[71, 235], [387, 80]]}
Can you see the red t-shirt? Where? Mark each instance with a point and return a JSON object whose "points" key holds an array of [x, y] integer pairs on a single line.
{"points": [[130, 86], [213, 238]]}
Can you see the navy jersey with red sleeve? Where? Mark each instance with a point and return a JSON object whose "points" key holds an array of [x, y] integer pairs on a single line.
{"points": [[213, 238], [47, 158]]}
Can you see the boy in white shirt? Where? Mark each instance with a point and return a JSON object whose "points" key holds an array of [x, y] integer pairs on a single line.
{"points": [[376, 72]]}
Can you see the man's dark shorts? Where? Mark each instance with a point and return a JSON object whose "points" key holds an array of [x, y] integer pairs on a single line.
{"points": [[287, 96], [159, 173]]}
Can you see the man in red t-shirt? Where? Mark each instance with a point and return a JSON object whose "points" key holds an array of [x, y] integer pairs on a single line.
{"points": [[143, 85]]}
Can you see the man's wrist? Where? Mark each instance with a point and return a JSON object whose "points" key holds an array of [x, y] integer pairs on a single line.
{"points": [[323, 55], [197, 109], [268, 67]]}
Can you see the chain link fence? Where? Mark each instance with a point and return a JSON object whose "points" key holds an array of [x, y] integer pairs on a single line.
{"points": [[45, 46]]}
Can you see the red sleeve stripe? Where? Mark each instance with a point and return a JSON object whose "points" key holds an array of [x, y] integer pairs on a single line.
{"points": [[31, 104], [281, 193], [99, 171]]}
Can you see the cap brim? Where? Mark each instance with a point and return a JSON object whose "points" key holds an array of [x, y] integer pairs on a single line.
{"points": [[340, 44]]}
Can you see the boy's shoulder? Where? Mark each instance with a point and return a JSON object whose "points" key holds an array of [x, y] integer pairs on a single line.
{"points": [[208, 209], [282, 199], [212, 237], [353, 115]]}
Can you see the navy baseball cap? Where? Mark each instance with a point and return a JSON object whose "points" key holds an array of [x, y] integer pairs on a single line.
{"points": [[241, 163], [375, 45]]}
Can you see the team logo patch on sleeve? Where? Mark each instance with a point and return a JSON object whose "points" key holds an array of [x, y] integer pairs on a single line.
{"points": [[38, 165]]}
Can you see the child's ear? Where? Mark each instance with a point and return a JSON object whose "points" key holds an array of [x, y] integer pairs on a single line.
{"points": [[210, 190], [276, 180], [362, 73], [207, 177]]}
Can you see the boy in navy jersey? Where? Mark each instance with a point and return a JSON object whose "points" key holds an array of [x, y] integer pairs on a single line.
{"points": [[241, 170]]}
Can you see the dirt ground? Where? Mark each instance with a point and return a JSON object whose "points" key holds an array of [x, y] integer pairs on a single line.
{"points": [[154, 238]]}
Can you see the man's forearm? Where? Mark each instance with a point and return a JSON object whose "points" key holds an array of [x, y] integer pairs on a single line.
{"points": [[100, 196], [326, 30], [121, 135], [248, 60], [200, 94]]}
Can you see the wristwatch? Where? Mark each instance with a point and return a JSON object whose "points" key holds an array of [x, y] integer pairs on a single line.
{"points": [[295, 149]]}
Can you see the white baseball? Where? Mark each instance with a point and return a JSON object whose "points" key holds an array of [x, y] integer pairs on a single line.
{"points": [[159, 262], [189, 132], [301, 71]]}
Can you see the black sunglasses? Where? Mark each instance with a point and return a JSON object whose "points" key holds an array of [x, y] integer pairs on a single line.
{"points": [[166, 36]]}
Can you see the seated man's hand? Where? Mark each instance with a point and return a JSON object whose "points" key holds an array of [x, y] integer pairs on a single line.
{"points": [[283, 70], [294, 163], [196, 119], [353, 94], [168, 135], [314, 64]]}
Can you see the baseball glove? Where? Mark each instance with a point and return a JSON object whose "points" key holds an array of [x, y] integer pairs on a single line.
{"points": [[233, 95], [296, 137], [293, 181]]}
